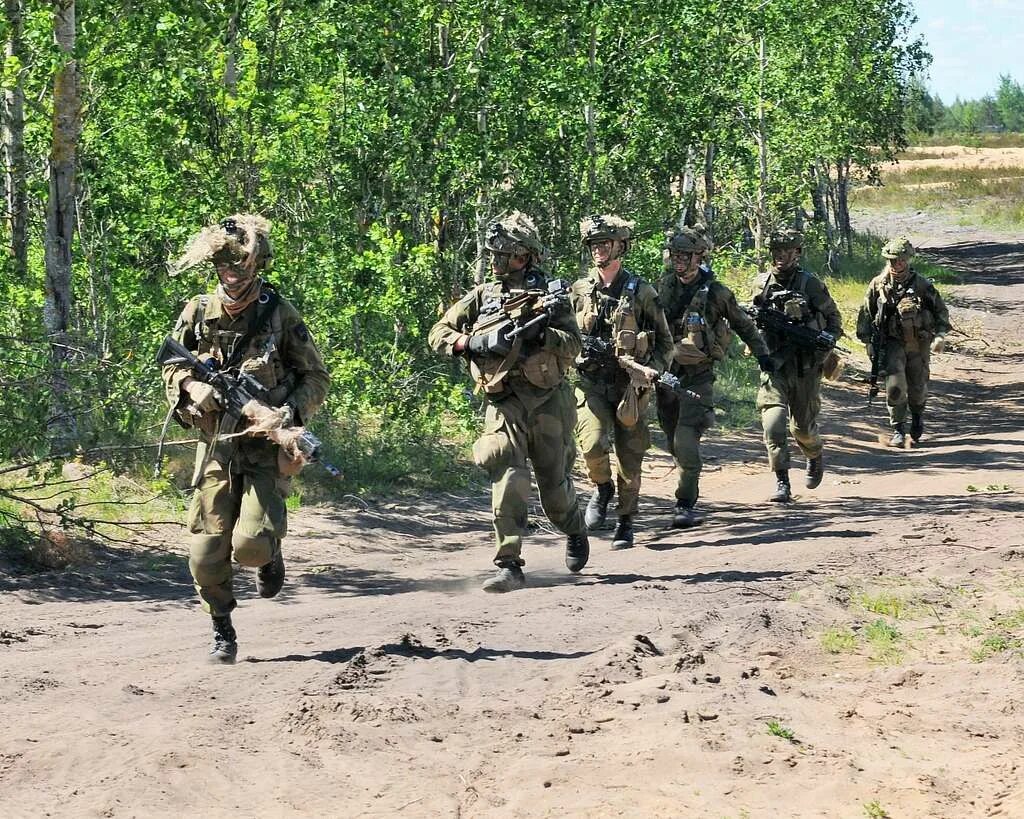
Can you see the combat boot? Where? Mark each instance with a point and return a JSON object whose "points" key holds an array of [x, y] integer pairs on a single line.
{"points": [[916, 426], [623, 533], [684, 516], [225, 645], [577, 552], [597, 507], [270, 576], [782, 492], [899, 437], [815, 472], [509, 577]]}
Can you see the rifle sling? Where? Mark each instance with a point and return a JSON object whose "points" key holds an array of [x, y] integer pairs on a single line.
{"points": [[262, 319]]}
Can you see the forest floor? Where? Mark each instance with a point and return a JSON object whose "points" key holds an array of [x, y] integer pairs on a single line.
{"points": [[858, 653]]}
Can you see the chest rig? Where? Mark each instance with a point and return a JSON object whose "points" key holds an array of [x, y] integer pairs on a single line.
{"points": [[255, 350], [698, 339], [611, 315], [910, 321]]}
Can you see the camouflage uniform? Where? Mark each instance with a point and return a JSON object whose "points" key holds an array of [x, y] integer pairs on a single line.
{"points": [[238, 508], [916, 317], [700, 315], [627, 313], [791, 395], [529, 417]]}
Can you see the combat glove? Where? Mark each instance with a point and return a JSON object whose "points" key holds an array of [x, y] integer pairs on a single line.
{"points": [[766, 363], [535, 332], [202, 395]]}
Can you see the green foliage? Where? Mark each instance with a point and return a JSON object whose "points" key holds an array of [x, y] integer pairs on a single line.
{"points": [[776, 729], [884, 640], [873, 810], [377, 137], [837, 640]]}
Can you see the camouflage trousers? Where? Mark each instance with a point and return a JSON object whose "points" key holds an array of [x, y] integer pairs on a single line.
{"points": [[599, 432], [513, 435], [906, 381], [790, 402], [684, 421], [235, 512]]}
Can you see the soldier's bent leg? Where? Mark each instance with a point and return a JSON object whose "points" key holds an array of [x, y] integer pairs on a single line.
{"points": [[552, 451], [594, 425], [631, 444], [262, 518], [918, 372], [804, 407], [211, 517], [896, 383]]}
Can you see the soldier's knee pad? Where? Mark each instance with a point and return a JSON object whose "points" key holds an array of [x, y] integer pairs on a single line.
{"points": [[208, 559], [253, 550]]}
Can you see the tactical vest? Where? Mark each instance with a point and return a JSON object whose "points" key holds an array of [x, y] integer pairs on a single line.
{"points": [[695, 343], [911, 321], [796, 307], [621, 324], [261, 357]]}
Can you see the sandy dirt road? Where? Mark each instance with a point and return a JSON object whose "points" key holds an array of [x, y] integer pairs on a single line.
{"points": [[383, 682]]}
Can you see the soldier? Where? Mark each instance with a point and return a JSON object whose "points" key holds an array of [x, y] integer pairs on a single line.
{"points": [[905, 316], [702, 313], [241, 482], [530, 412], [619, 315], [790, 390]]}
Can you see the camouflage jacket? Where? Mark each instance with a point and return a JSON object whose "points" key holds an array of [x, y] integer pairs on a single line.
{"points": [[559, 344], [917, 308], [611, 314], [281, 355], [704, 312]]}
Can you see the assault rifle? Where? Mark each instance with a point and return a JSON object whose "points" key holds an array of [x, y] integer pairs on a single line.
{"points": [[878, 328], [598, 353], [503, 319], [234, 391], [806, 338]]}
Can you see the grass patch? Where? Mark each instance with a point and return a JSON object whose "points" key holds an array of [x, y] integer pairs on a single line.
{"points": [[777, 729], [873, 810], [1005, 139], [838, 640], [890, 605], [884, 641]]}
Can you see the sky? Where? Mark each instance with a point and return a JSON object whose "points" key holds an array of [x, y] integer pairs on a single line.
{"points": [[972, 42]]}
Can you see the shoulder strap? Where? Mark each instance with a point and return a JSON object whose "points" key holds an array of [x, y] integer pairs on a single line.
{"points": [[266, 308]]}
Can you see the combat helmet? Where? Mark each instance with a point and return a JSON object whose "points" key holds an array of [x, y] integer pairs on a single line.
{"points": [[597, 228], [515, 234], [242, 240], [898, 248], [687, 240], [786, 239]]}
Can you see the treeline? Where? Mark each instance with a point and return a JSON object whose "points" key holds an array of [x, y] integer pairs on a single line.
{"points": [[1002, 110], [379, 138]]}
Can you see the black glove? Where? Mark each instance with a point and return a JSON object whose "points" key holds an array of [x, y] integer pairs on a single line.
{"points": [[535, 331], [766, 363], [495, 342]]}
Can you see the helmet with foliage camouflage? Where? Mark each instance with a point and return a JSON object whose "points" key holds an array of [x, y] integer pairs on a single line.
{"points": [[242, 240], [515, 234], [688, 240], [786, 239], [899, 248], [598, 228]]}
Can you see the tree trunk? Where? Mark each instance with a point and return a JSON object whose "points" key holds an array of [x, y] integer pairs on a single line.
{"points": [[590, 116], [843, 204], [482, 197], [688, 190], [760, 226], [60, 219], [709, 190], [14, 143]]}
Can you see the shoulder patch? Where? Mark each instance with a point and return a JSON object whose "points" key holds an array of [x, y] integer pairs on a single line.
{"points": [[301, 333]]}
